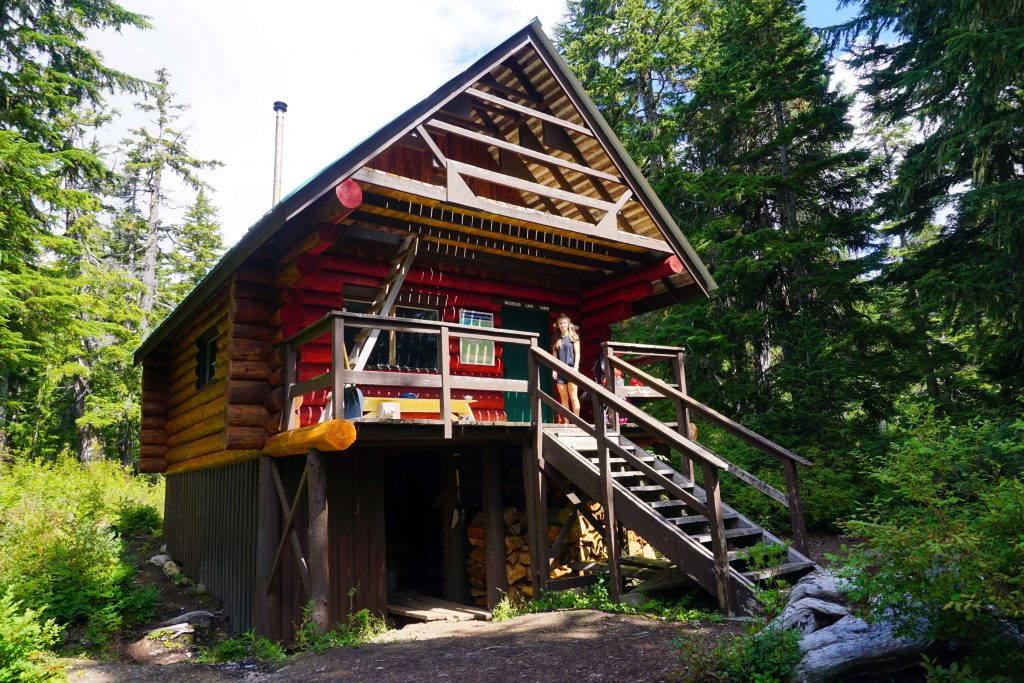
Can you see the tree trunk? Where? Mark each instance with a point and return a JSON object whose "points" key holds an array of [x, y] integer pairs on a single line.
{"points": [[152, 244], [88, 443]]}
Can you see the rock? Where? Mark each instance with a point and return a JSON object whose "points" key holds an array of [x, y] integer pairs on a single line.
{"points": [[171, 569], [160, 559], [197, 618], [162, 646]]}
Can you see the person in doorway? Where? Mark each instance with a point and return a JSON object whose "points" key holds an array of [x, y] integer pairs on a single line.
{"points": [[567, 350]]}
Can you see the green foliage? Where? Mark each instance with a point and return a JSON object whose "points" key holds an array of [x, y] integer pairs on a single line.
{"points": [[58, 552], [25, 640], [247, 646], [943, 551], [360, 627], [138, 520], [954, 69], [596, 597], [767, 656]]}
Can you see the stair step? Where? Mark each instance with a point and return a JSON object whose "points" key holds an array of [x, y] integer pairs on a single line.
{"points": [[741, 532], [654, 488], [619, 461], [626, 474], [784, 569], [658, 504], [698, 519]]}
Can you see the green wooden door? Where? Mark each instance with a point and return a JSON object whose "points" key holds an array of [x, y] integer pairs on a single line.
{"points": [[514, 356]]}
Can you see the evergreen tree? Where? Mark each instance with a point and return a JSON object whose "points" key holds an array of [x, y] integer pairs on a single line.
{"points": [[196, 247], [760, 173], [46, 74], [955, 68], [152, 159]]}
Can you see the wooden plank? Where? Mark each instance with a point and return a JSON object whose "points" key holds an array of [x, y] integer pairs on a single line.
{"points": [[489, 208], [453, 529], [719, 546], [266, 607], [462, 168], [487, 97], [518, 149]]}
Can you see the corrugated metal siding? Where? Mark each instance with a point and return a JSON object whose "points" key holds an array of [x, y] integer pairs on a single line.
{"points": [[210, 528]]}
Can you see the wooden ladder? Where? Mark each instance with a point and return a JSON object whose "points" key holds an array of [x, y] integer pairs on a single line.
{"points": [[384, 300], [383, 304]]}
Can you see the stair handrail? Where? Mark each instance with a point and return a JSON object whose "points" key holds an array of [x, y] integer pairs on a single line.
{"points": [[603, 398], [788, 458]]}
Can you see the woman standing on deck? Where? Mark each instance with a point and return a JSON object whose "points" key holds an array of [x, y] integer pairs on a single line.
{"points": [[567, 350]]}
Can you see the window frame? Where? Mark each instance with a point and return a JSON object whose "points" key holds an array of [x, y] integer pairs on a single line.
{"points": [[206, 357], [470, 350]]}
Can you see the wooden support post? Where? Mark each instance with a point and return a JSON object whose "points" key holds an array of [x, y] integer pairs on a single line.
{"points": [[611, 537], [716, 527], [444, 366], [536, 520], [319, 564], [494, 528], [682, 413], [796, 507], [453, 531], [268, 530]]}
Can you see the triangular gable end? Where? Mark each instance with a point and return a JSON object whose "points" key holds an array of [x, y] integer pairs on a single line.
{"points": [[509, 162]]}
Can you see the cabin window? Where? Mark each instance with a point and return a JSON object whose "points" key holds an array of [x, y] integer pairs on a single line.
{"points": [[476, 351], [398, 349], [206, 357]]}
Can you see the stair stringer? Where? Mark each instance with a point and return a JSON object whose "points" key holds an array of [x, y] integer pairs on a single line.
{"points": [[688, 554], [792, 555]]}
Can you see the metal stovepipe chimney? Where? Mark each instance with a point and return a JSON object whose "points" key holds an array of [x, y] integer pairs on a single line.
{"points": [[280, 108]]}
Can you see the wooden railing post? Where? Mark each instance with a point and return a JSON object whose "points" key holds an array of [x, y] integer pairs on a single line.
{"points": [[682, 413], [716, 527], [290, 361], [611, 539], [796, 508], [494, 527], [533, 456], [444, 367], [609, 417], [338, 368]]}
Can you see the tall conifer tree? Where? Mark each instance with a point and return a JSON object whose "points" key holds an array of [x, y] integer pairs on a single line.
{"points": [[956, 69]]}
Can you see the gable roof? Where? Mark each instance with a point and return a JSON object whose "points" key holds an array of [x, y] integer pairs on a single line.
{"points": [[648, 220]]}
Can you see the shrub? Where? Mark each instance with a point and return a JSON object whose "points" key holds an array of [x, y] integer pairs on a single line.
{"points": [[59, 554], [247, 646], [944, 539], [24, 641], [134, 520], [361, 627]]}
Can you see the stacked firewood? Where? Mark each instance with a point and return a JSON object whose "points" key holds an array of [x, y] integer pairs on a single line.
{"points": [[589, 544], [584, 544], [517, 557]]}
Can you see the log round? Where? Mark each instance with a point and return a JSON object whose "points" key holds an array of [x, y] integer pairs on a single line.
{"points": [[655, 271], [349, 194], [333, 435]]}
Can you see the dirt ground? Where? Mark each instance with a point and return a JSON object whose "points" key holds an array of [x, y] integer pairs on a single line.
{"points": [[579, 645], [576, 646]]}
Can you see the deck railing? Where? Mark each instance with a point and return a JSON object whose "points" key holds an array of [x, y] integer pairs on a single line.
{"points": [[339, 375], [653, 387]]}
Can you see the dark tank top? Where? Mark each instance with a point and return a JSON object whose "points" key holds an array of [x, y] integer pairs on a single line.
{"points": [[566, 352]]}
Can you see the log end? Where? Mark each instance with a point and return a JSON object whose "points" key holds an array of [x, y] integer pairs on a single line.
{"points": [[349, 194]]}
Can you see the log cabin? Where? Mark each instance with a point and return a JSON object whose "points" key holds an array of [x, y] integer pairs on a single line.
{"points": [[354, 408]]}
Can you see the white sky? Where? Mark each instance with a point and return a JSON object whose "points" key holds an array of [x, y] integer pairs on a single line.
{"points": [[344, 69]]}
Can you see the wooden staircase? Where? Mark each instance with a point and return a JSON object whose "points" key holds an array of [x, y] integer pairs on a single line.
{"points": [[672, 525], [686, 523]]}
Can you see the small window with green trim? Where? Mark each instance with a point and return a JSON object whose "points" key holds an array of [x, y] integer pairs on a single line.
{"points": [[476, 351], [206, 357]]}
